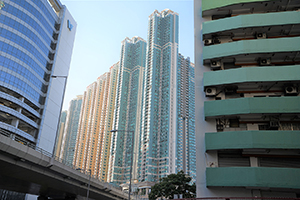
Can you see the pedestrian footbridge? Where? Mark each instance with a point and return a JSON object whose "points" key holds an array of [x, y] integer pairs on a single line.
{"points": [[31, 170]]}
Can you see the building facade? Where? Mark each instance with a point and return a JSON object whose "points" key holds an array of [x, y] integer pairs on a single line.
{"points": [[85, 125], [109, 119], [94, 122], [36, 42], [127, 117], [158, 136], [167, 141], [69, 133], [247, 98], [60, 133], [185, 138]]}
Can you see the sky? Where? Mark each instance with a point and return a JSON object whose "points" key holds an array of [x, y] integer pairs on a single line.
{"points": [[101, 27]]}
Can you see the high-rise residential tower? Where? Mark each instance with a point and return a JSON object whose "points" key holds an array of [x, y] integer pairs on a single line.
{"points": [[247, 98], [185, 136], [107, 126], [127, 118], [85, 127], [158, 136], [95, 121], [36, 42], [69, 133], [60, 133], [154, 119]]}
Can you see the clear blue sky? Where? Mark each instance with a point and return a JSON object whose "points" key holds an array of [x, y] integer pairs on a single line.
{"points": [[103, 24]]}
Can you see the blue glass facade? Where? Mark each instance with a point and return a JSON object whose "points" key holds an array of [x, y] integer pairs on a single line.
{"points": [[29, 33]]}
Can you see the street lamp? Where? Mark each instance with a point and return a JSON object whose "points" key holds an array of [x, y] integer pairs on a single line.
{"points": [[131, 162]]}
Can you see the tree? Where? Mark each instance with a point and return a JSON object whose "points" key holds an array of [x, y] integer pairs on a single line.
{"points": [[173, 184]]}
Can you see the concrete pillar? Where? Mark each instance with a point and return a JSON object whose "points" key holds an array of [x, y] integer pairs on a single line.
{"points": [[253, 162], [19, 109], [212, 159], [15, 123], [33, 133]]}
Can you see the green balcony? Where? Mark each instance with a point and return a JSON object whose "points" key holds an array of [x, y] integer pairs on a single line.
{"points": [[212, 4], [254, 105], [252, 140], [254, 20], [252, 74], [264, 177], [251, 47]]}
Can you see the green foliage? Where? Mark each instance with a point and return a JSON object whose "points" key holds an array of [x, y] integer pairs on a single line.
{"points": [[173, 184]]}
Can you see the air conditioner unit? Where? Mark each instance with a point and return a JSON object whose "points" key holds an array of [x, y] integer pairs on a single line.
{"points": [[290, 90], [265, 61], [261, 35], [215, 64], [208, 42], [210, 91], [216, 40]]}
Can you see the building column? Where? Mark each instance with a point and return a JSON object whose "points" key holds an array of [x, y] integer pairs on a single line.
{"points": [[15, 122], [253, 162]]}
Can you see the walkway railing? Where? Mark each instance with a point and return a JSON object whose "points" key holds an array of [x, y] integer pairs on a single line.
{"points": [[46, 153]]}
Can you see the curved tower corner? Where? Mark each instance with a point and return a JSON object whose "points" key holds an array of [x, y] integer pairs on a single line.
{"points": [[36, 42]]}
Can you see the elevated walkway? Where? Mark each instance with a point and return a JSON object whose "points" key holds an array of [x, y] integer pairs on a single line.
{"points": [[31, 170]]}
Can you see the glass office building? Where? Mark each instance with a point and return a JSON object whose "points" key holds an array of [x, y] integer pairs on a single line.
{"points": [[36, 42]]}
